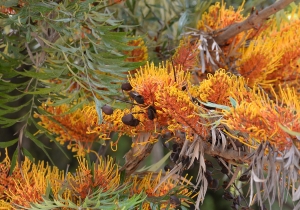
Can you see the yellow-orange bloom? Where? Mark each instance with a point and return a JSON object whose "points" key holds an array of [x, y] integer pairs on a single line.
{"points": [[260, 120], [182, 114], [186, 55], [104, 175], [218, 17], [69, 127], [257, 61], [32, 185], [218, 88], [140, 53], [149, 182]]}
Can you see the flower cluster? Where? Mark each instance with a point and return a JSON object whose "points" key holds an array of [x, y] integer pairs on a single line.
{"points": [[29, 182], [259, 120], [70, 127], [218, 17]]}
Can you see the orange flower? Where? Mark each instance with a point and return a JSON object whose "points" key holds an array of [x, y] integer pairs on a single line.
{"points": [[32, 185], [218, 17], [186, 55], [139, 53], [259, 121], [257, 62], [218, 88], [149, 182], [70, 127], [104, 175], [181, 112]]}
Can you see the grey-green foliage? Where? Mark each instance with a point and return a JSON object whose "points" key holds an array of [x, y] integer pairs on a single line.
{"points": [[110, 199], [67, 51], [163, 21]]}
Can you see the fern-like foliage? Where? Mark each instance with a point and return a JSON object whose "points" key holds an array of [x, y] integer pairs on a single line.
{"points": [[69, 52], [111, 199]]}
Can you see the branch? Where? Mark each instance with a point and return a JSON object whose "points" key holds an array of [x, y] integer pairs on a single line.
{"points": [[231, 155], [255, 19]]}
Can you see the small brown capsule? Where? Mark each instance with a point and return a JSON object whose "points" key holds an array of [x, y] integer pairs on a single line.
{"points": [[135, 122], [244, 178], [107, 110], [208, 176], [126, 86], [151, 112], [208, 164], [174, 147], [224, 170], [167, 168], [228, 196], [137, 97], [175, 200], [174, 157], [127, 119], [214, 184]]}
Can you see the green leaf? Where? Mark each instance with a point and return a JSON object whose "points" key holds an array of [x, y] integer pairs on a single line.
{"points": [[8, 143], [39, 144], [233, 102], [285, 129], [99, 105], [13, 162], [27, 154], [157, 165], [218, 106]]}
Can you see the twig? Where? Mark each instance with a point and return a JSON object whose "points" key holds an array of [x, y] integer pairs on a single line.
{"points": [[252, 21], [229, 154]]}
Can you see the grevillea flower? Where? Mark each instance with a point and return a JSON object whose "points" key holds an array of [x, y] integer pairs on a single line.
{"points": [[150, 181], [151, 79], [218, 88], [138, 54], [69, 127], [218, 17], [164, 89], [289, 46], [32, 185], [260, 120], [181, 112], [113, 122], [104, 175], [7, 183], [186, 55], [257, 61]]}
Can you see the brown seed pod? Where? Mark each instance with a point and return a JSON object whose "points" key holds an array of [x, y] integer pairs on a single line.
{"points": [[106, 109], [126, 86], [214, 184], [175, 200], [151, 112], [135, 122], [137, 97], [127, 119], [208, 164], [208, 176], [168, 168], [244, 178], [228, 195], [174, 157]]}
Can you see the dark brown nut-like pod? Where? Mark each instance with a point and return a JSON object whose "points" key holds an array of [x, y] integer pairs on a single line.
{"points": [[151, 113], [127, 119], [137, 97], [126, 86], [106, 109]]}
